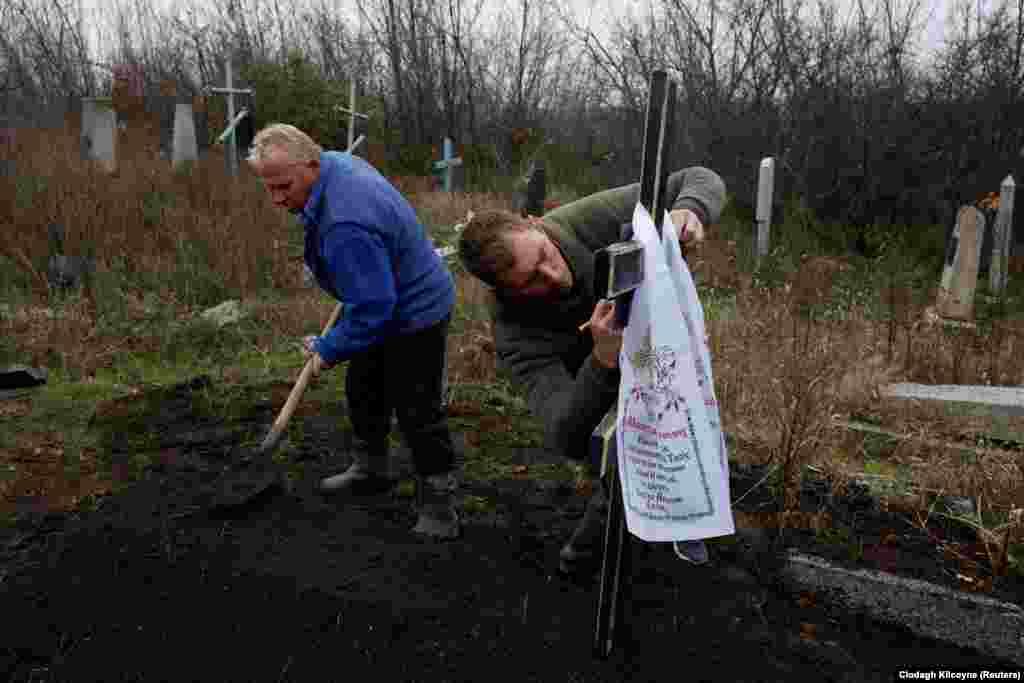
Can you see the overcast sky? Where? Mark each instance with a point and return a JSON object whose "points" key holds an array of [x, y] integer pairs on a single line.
{"points": [[599, 12]]}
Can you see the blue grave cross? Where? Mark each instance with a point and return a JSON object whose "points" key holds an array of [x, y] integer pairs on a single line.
{"points": [[447, 164]]}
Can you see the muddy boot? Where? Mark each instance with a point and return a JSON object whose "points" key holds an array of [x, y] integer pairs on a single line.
{"points": [[583, 551], [437, 516], [367, 475]]}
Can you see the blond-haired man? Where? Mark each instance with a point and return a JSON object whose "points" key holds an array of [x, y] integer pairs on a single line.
{"points": [[542, 273], [365, 246]]}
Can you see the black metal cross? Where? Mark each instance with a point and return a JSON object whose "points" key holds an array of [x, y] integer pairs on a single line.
{"points": [[618, 272]]}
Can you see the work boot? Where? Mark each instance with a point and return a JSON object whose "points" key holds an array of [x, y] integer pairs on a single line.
{"points": [[584, 546], [367, 475], [437, 516]]}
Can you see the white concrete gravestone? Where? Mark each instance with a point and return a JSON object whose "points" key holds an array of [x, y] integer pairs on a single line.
{"points": [[88, 118], [960, 273], [184, 144], [765, 195], [99, 132]]}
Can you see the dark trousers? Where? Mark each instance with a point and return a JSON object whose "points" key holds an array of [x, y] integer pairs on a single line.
{"points": [[403, 375]]}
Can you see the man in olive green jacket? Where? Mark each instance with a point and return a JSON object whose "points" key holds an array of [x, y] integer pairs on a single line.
{"points": [[542, 274]]}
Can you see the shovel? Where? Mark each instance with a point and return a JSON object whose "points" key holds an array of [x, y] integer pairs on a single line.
{"points": [[259, 476]]}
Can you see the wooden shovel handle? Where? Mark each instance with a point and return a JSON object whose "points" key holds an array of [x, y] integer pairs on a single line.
{"points": [[300, 385]]}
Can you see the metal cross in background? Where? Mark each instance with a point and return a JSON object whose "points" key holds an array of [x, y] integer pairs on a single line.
{"points": [[233, 120], [352, 114], [618, 272], [448, 163]]}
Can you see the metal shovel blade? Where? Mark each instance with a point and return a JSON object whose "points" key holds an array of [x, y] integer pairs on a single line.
{"points": [[253, 485], [257, 476]]}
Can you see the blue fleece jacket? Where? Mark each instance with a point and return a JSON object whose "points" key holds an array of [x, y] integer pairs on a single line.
{"points": [[366, 247]]}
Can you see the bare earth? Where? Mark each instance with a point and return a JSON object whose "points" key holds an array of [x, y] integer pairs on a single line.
{"points": [[152, 587]]}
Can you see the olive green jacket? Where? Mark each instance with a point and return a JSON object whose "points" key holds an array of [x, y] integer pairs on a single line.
{"points": [[539, 344]]}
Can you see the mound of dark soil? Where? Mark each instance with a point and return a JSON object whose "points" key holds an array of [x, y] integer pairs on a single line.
{"points": [[152, 587]]}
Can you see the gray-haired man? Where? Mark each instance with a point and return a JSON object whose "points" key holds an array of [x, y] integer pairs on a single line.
{"points": [[365, 246]]}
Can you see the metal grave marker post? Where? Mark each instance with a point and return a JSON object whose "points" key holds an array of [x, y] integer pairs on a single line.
{"points": [[353, 143], [231, 158], [535, 189], [1002, 238], [448, 163], [618, 272], [164, 104], [201, 117], [763, 221]]}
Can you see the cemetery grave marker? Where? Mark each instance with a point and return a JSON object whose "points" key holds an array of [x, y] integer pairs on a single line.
{"points": [[447, 166], [1002, 238], [960, 274], [765, 195], [245, 132], [231, 158], [997, 403], [536, 182], [352, 114], [185, 148], [616, 270], [127, 92], [201, 119], [166, 109], [88, 115], [167, 105], [99, 132], [355, 145], [63, 271], [128, 80]]}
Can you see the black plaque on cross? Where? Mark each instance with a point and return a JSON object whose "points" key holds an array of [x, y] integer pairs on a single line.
{"points": [[618, 272]]}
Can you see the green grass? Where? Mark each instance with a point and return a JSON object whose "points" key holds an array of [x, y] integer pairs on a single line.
{"points": [[719, 302], [64, 407], [478, 505]]}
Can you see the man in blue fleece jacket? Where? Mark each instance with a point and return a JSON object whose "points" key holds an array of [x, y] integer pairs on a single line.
{"points": [[365, 247]]}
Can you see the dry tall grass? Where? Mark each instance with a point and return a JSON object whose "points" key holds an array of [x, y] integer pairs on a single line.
{"points": [[143, 218], [784, 374]]}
